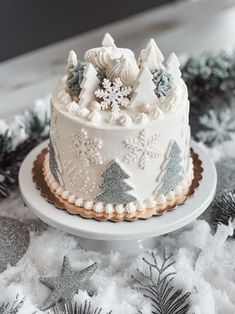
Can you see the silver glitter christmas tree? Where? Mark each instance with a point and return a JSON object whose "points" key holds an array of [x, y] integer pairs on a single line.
{"points": [[114, 187], [170, 177], [53, 162]]}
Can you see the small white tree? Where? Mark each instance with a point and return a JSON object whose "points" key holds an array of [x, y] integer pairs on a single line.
{"points": [[108, 41], [151, 56], [89, 85], [72, 62], [143, 89], [173, 67]]}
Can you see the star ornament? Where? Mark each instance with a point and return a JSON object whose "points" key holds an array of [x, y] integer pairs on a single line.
{"points": [[67, 284]]}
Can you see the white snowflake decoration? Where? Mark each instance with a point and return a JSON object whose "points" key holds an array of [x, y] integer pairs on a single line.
{"points": [[113, 94], [87, 149], [141, 149], [218, 127]]}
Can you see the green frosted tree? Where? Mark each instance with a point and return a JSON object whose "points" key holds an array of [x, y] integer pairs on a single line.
{"points": [[114, 187]]}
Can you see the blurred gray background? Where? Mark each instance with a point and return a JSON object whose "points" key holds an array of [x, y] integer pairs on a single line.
{"points": [[26, 25]]}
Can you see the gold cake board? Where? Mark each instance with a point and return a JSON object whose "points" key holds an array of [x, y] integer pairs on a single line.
{"points": [[42, 185]]}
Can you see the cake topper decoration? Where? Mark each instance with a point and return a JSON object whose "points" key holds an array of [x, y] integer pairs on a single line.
{"points": [[113, 95], [108, 41], [173, 67], [114, 187], [75, 71], [89, 84], [143, 89], [151, 56], [163, 82]]}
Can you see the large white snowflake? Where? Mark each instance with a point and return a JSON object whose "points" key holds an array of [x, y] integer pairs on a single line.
{"points": [[141, 149], [113, 94], [217, 127], [87, 149]]}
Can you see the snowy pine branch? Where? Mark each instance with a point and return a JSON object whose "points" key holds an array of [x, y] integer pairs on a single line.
{"points": [[85, 308], [165, 299], [6, 308]]}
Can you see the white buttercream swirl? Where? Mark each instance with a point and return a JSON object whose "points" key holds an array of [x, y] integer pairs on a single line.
{"points": [[98, 207], [124, 120], [120, 209], [140, 206], [141, 118], [109, 209], [94, 116], [130, 207], [73, 107], [88, 205]]}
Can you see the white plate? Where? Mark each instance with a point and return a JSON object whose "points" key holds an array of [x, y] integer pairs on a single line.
{"points": [[108, 235]]}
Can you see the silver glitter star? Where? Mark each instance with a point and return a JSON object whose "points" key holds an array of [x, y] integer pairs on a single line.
{"points": [[65, 286]]}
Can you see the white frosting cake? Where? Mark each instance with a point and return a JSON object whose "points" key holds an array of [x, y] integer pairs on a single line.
{"points": [[120, 135]]}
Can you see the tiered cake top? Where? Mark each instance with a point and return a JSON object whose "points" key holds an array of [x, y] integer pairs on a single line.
{"points": [[113, 89]]}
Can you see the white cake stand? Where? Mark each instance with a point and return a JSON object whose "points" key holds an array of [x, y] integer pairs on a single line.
{"points": [[129, 237]]}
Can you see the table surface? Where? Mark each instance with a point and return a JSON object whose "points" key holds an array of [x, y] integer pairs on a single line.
{"points": [[187, 27]]}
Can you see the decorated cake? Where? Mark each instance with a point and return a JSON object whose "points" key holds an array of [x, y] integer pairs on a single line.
{"points": [[120, 135]]}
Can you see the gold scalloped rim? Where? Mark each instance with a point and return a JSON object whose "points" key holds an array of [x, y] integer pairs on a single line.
{"points": [[41, 182]]}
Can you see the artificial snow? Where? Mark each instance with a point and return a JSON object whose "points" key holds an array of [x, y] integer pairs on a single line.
{"points": [[204, 266]]}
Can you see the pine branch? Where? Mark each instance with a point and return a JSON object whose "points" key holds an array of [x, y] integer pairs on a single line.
{"points": [[209, 75], [165, 299], [85, 308], [17, 304], [223, 208]]}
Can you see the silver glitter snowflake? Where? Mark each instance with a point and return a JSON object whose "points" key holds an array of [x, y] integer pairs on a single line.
{"points": [[217, 127], [86, 148], [113, 94], [141, 149]]}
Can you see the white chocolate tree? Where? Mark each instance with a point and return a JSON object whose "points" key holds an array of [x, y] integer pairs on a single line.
{"points": [[151, 56], [143, 89], [108, 41], [173, 67], [89, 85]]}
